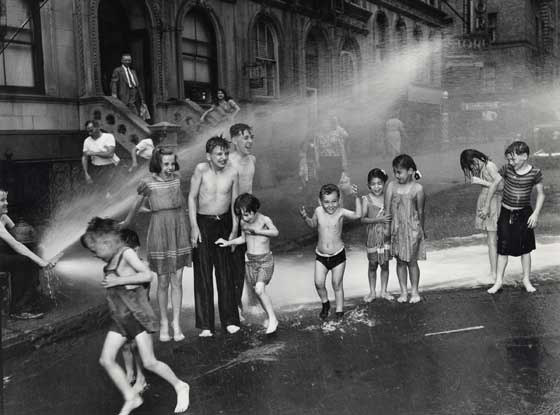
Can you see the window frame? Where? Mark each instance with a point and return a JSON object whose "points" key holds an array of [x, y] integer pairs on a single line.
{"points": [[269, 25], [36, 54]]}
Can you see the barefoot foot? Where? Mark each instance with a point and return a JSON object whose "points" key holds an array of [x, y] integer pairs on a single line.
{"points": [[232, 329], [182, 397], [415, 298], [130, 405], [403, 298], [140, 386], [369, 298], [205, 333], [387, 296], [528, 286], [495, 288], [272, 326], [164, 332]]}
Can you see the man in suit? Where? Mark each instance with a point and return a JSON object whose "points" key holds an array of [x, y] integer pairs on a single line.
{"points": [[125, 85]]}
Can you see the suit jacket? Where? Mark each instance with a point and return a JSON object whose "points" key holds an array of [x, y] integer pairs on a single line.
{"points": [[119, 85]]}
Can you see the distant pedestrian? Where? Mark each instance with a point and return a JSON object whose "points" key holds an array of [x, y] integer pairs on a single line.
{"points": [[168, 241], [482, 171], [404, 201], [125, 85], [257, 230], [378, 243], [517, 220], [99, 160], [330, 254], [330, 151], [395, 134], [132, 315], [142, 151]]}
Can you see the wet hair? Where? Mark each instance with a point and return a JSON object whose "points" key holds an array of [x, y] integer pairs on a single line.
{"points": [[103, 226], [404, 161], [130, 238], [87, 240], [237, 129], [467, 162], [157, 160], [327, 189], [377, 173], [517, 147], [226, 96], [246, 202], [216, 141]]}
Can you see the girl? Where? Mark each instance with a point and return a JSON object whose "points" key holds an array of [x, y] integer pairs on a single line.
{"points": [[378, 244], [133, 318], [224, 105], [143, 149], [169, 248], [480, 170], [404, 199]]}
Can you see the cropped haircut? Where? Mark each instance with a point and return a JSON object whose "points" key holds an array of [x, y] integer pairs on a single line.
{"points": [[130, 238], [246, 202], [377, 173], [467, 161], [216, 141], [404, 161], [157, 157], [517, 147], [327, 189], [103, 226], [237, 129]]}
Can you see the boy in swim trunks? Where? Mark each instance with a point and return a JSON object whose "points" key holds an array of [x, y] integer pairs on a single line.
{"points": [[257, 230], [330, 252]]}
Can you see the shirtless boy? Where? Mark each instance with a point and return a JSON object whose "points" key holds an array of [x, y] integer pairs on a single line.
{"points": [[214, 188], [330, 252], [257, 230], [243, 160]]}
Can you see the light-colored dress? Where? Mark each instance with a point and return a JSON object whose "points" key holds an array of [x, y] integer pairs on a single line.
{"points": [[169, 247], [378, 243], [490, 223], [407, 235]]}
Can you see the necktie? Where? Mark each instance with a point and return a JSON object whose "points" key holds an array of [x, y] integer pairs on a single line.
{"points": [[131, 76]]}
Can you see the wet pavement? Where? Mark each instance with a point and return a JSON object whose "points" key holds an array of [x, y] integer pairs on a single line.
{"points": [[460, 352]]}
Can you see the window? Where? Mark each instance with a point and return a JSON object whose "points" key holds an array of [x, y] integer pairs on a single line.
{"points": [[198, 49], [401, 33], [381, 36], [423, 67], [21, 57], [492, 26], [347, 69], [266, 52]]}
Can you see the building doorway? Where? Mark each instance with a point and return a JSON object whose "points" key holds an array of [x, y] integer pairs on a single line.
{"points": [[123, 27]]}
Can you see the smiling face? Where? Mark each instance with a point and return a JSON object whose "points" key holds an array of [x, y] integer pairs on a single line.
{"points": [[167, 165], [218, 158], [244, 142], [330, 202], [376, 186], [403, 175], [3, 202]]}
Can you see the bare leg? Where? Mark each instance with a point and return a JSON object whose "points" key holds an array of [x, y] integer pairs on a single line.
{"points": [[140, 385], [112, 345], [384, 277], [267, 306], [492, 238], [414, 274], [146, 350], [401, 274], [372, 277], [320, 277], [176, 302], [500, 271], [162, 296], [337, 284], [128, 360], [526, 265]]}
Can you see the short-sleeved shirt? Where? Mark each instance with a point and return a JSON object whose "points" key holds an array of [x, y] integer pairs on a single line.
{"points": [[518, 187], [145, 148], [104, 141]]}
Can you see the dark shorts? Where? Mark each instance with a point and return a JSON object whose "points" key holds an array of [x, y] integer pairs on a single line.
{"points": [[515, 238], [128, 327], [331, 262], [259, 268]]}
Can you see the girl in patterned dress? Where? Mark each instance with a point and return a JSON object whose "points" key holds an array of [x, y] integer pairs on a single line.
{"points": [[169, 248], [480, 170], [405, 200], [378, 244]]}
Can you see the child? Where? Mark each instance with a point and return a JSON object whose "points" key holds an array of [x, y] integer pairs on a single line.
{"points": [[330, 252], [257, 230], [378, 244], [516, 236], [480, 170], [224, 105], [169, 248], [142, 151], [132, 316], [404, 199], [214, 188]]}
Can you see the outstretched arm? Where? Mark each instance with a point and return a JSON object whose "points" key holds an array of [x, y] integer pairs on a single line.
{"points": [[237, 241], [311, 222], [21, 248], [205, 113], [132, 212], [357, 214]]}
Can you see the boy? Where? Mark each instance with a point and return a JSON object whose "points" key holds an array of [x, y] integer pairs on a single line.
{"points": [[330, 252], [517, 220], [257, 230], [132, 315], [243, 160], [214, 188]]}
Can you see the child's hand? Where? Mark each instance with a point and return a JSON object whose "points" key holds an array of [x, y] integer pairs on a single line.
{"points": [[385, 218], [110, 280], [222, 243], [354, 190], [475, 180], [484, 212], [250, 231], [532, 221], [89, 180], [302, 212]]}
